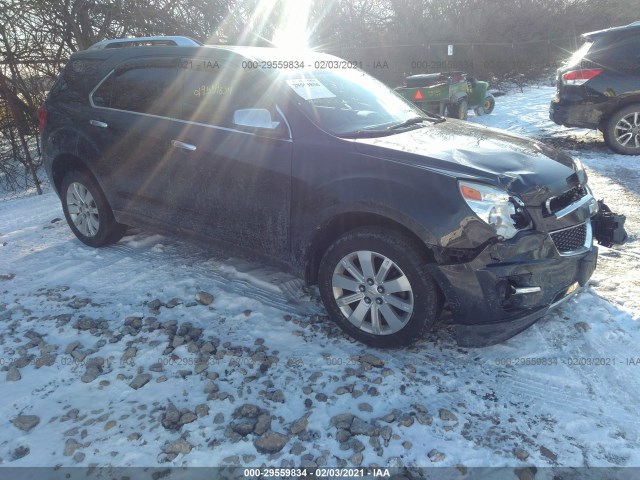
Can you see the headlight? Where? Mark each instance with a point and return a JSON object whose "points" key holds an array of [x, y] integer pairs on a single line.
{"points": [[492, 205]]}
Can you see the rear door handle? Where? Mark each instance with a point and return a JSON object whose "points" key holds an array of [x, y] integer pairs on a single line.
{"points": [[98, 123], [182, 145]]}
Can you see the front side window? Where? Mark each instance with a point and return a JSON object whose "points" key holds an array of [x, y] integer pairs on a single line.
{"points": [[212, 96]]}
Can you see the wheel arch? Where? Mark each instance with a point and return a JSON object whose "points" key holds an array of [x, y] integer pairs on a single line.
{"points": [[621, 102], [63, 164], [344, 222]]}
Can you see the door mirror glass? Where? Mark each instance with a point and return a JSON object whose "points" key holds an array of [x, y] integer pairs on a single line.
{"points": [[254, 118]]}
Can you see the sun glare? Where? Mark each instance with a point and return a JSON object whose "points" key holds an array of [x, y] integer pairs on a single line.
{"points": [[292, 32]]}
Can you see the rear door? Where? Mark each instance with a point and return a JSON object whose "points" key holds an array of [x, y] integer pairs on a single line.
{"points": [[136, 107]]}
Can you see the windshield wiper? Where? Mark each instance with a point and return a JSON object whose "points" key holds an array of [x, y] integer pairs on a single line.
{"points": [[366, 134], [415, 120]]}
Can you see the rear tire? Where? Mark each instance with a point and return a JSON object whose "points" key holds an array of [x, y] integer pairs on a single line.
{"points": [[622, 130], [488, 105], [375, 286], [87, 211]]}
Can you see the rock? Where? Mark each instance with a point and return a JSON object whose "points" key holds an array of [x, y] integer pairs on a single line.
{"points": [[528, 473], [26, 422], [582, 326], [91, 373], [109, 425], [202, 410], [204, 298], [187, 417], [447, 415], [356, 445], [371, 360], [299, 425], [277, 396], [342, 421], [174, 302], [321, 397], [356, 459], [246, 410], [71, 347], [548, 453], [156, 367], [20, 452], [361, 427], [79, 457], [13, 374], [128, 354], [140, 381], [219, 418], [134, 436], [436, 456], [365, 407], [154, 304], [405, 420], [70, 447], [263, 424], [45, 360], [407, 445], [170, 418], [177, 341], [180, 446], [243, 426], [270, 442], [386, 432], [520, 453], [297, 448], [424, 419]]}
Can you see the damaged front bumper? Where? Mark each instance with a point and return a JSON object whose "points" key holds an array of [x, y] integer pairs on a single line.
{"points": [[511, 284]]}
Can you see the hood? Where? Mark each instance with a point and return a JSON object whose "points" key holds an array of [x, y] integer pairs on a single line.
{"points": [[524, 167]]}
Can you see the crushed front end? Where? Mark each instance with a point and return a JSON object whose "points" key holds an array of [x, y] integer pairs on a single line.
{"points": [[511, 283]]}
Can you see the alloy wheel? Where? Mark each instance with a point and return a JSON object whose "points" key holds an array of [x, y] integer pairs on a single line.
{"points": [[83, 209]]}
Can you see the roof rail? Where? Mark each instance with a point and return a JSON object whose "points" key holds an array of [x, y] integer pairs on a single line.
{"points": [[145, 41]]}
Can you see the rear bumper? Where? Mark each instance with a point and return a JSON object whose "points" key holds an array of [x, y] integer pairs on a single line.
{"points": [[486, 295], [585, 114]]}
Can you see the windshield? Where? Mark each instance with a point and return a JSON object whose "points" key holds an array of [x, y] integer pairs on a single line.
{"points": [[347, 101]]}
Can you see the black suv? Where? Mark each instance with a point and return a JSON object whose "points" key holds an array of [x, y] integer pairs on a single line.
{"points": [[319, 166], [599, 87]]}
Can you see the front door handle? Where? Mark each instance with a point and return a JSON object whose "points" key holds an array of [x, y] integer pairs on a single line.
{"points": [[182, 145], [98, 123]]}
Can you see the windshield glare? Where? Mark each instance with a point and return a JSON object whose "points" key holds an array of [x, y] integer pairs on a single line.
{"points": [[347, 101]]}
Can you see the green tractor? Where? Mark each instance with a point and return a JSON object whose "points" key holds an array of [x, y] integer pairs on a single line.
{"points": [[449, 94]]}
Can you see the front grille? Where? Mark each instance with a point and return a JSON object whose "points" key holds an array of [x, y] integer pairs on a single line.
{"points": [[570, 239], [555, 204]]}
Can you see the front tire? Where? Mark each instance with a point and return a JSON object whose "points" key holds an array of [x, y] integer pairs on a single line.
{"points": [[87, 211], [375, 286], [622, 130]]}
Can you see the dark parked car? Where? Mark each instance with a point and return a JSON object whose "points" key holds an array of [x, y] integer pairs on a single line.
{"points": [[599, 87], [389, 209]]}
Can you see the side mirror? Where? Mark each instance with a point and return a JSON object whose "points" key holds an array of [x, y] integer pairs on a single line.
{"points": [[254, 118]]}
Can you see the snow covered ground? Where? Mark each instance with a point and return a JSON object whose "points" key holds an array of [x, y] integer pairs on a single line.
{"points": [[112, 357]]}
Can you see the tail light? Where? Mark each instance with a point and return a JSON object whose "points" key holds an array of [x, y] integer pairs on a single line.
{"points": [[42, 117], [578, 77]]}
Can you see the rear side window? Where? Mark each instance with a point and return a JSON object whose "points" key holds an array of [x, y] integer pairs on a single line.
{"points": [[142, 86], [78, 79]]}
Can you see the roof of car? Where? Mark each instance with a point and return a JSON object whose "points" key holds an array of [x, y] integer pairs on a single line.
{"points": [[164, 45], [611, 31]]}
